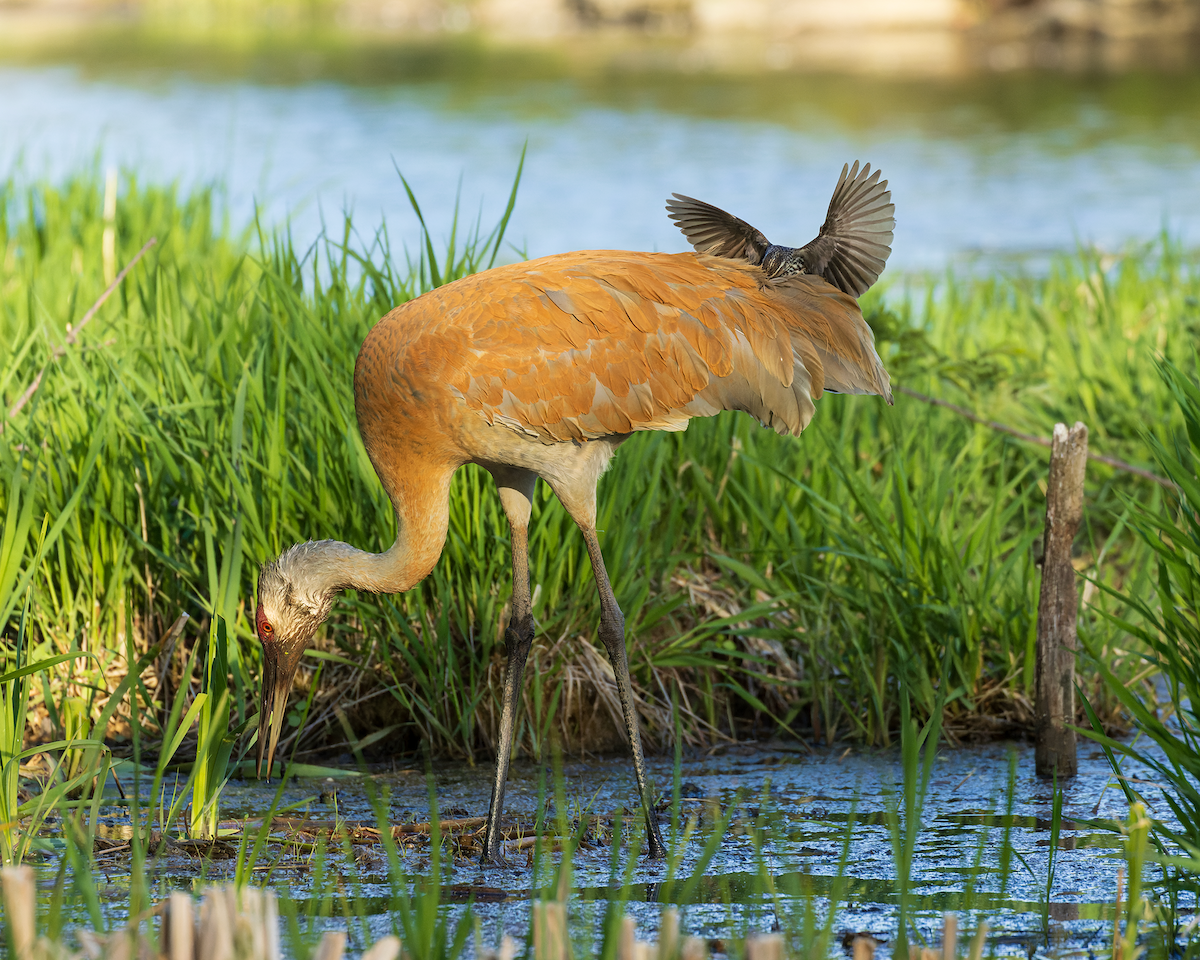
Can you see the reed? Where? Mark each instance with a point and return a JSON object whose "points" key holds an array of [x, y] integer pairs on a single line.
{"points": [[1164, 622], [203, 421]]}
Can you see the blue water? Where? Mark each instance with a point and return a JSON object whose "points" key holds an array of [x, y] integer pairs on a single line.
{"points": [[973, 183]]}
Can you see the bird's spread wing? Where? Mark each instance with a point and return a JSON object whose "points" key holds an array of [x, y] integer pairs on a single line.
{"points": [[586, 345], [856, 238], [711, 230]]}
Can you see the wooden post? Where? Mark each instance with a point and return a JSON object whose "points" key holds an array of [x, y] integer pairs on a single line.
{"points": [[1059, 604]]}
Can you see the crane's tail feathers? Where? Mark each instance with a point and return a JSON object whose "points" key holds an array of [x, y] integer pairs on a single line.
{"points": [[828, 331]]}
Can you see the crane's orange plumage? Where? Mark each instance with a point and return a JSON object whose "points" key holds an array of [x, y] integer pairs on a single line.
{"points": [[542, 369], [586, 345]]}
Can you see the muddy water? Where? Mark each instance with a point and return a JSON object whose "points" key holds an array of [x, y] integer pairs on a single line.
{"points": [[808, 803]]}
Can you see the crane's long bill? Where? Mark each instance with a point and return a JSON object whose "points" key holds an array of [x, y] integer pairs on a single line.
{"points": [[279, 669]]}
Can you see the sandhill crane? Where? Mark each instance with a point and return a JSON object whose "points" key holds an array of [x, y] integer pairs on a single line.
{"points": [[542, 369]]}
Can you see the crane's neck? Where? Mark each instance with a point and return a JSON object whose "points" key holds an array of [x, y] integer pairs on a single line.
{"points": [[312, 574], [326, 567]]}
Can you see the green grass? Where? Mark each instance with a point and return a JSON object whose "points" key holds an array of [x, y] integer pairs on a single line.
{"points": [[1166, 623], [204, 421]]}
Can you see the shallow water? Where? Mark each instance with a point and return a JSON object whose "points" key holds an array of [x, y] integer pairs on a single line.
{"points": [[810, 801], [983, 171]]}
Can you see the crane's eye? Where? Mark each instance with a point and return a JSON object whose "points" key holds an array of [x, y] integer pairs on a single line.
{"points": [[265, 630]]}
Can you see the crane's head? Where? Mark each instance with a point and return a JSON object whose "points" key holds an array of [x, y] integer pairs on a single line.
{"points": [[291, 605]]}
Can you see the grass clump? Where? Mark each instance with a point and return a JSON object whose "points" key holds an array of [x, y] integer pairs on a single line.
{"points": [[203, 421], [1167, 624]]}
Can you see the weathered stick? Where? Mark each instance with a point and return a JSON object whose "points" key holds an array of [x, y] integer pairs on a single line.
{"points": [[1059, 605], [73, 334], [1030, 438]]}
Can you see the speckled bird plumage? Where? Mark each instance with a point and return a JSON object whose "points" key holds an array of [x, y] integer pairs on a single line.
{"points": [[542, 369], [849, 252]]}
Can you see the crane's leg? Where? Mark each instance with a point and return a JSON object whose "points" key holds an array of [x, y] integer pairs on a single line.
{"points": [[516, 496], [612, 633]]}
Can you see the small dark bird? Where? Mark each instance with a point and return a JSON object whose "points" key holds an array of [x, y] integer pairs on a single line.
{"points": [[541, 370], [849, 252]]}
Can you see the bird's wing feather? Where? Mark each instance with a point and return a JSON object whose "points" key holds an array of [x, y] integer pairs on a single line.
{"points": [[856, 238], [586, 345], [711, 230]]}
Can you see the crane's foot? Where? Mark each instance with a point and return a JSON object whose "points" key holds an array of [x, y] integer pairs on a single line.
{"points": [[496, 859]]}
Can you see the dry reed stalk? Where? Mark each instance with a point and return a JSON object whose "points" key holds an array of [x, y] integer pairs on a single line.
{"points": [[108, 242], [387, 948], [550, 940], [215, 941], [332, 946], [627, 945], [20, 897], [179, 929], [764, 946], [863, 948], [979, 940], [668, 934], [249, 935], [271, 926], [244, 925], [1118, 941]]}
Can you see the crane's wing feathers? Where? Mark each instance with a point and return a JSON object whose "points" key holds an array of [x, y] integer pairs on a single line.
{"points": [[856, 238], [711, 230], [586, 345]]}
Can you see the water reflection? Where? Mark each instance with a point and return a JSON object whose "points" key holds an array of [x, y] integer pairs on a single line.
{"points": [[986, 169]]}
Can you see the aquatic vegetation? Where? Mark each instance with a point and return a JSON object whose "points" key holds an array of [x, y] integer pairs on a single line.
{"points": [[583, 882], [203, 420], [1166, 624]]}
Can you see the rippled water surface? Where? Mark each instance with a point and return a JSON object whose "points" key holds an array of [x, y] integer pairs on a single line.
{"points": [[801, 807]]}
